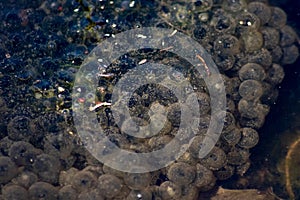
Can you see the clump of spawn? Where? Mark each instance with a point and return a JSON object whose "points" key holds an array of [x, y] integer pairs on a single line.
{"points": [[41, 156]]}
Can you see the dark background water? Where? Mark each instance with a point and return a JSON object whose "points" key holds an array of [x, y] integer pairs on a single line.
{"points": [[284, 116], [288, 105], [286, 112]]}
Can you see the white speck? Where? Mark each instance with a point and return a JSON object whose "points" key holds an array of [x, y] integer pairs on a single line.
{"points": [[76, 10], [113, 35], [7, 55], [60, 89], [106, 34], [249, 23], [173, 33], [102, 7], [142, 61], [71, 133], [218, 86], [131, 4], [100, 60], [105, 75], [139, 195], [114, 25], [92, 108], [111, 2], [141, 36]]}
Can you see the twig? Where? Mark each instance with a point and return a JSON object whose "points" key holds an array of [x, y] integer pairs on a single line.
{"points": [[205, 65], [98, 105]]}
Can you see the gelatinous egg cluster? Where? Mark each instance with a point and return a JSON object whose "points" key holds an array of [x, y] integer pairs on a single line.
{"points": [[42, 45]]}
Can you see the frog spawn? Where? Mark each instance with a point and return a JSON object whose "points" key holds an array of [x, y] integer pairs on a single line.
{"points": [[274, 48]]}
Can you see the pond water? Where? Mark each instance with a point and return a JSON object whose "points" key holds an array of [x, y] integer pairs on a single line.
{"points": [[83, 106]]}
